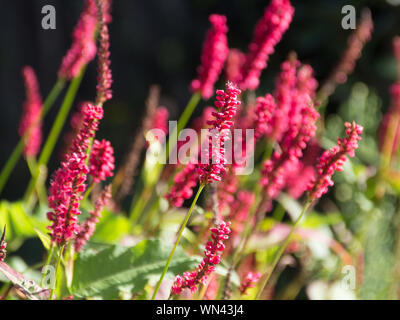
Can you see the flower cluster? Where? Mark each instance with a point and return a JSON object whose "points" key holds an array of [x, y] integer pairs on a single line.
{"points": [[30, 122], [284, 93], [296, 88], [333, 160], [212, 254], [101, 160], [83, 48], [67, 185], [268, 32], [213, 57], [104, 78], [249, 282], [227, 104], [87, 228]]}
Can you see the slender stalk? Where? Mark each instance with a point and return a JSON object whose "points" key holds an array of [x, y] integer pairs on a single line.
{"points": [[15, 155], [282, 249], [48, 260], [60, 252], [87, 193], [183, 226], [56, 130], [182, 122]]}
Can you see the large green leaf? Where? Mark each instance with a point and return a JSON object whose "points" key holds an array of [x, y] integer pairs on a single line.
{"points": [[103, 271]]}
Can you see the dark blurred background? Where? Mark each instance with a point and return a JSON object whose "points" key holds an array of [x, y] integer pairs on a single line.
{"points": [[159, 42]]}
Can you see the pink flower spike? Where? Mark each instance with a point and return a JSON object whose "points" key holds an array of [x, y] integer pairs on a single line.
{"points": [[268, 32], [215, 51], [249, 282], [212, 257], [227, 104], [101, 161], [234, 64], [32, 108], [68, 182], [333, 160], [83, 48]]}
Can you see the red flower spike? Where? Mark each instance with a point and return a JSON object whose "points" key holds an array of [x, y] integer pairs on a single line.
{"points": [[268, 32], [333, 160], [32, 108], [215, 51], [212, 253]]}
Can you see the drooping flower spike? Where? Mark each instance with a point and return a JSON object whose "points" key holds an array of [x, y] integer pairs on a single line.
{"points": [[32, 107], [268, 32], [333, 160], [212, 253], [215, 50]]}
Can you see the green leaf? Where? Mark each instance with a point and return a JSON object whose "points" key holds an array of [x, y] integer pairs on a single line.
{"points": [[102, 271], [44, 238], [111, 227]]}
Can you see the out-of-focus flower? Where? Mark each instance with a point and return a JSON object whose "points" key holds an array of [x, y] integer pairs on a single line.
{"points": [[285, 92], [184, 182], [215, 50], [249, 282], [101, 161], [294, 142], [333, 160], [263, 112], [83, 49], [234, 64], [212, 253], [355, 44], [268, 32], [298, 179], [87, 228], [32, 108], [104, 78]]}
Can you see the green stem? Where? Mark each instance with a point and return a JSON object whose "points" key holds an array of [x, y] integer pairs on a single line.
{"points": [[182, 122], [60, 252], [88, 191], [282, 249], [183, 226], [56, 130], [48, 260], [14, 157]]}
